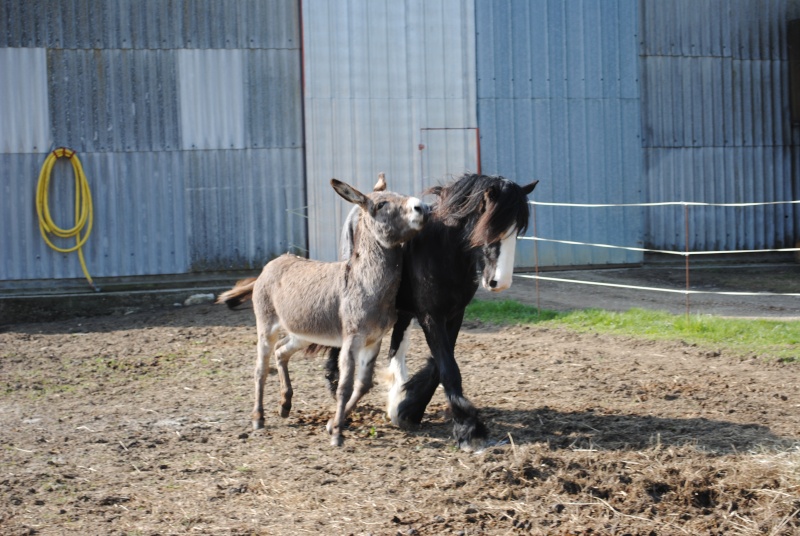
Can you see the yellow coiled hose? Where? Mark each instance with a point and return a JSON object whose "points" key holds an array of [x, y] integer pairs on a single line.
{"points": [[83, 207]]}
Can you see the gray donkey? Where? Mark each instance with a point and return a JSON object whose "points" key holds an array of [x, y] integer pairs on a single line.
{"points": [[348, 304]]}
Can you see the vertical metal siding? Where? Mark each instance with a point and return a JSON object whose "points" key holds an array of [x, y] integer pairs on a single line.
{"points": [[212, 99], [376, 73], [150, 24], [187, 117], [558, 101], [23, 100], [716, 122]]}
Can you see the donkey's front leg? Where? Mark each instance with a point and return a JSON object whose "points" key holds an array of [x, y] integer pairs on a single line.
{"points": [[350, 348], [366, 369]]}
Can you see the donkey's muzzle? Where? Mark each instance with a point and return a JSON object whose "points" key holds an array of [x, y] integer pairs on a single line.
{"points": [[421, 212], [424, 210]]}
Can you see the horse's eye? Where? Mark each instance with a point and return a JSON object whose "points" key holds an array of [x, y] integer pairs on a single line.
{"points": [[381, 205]]}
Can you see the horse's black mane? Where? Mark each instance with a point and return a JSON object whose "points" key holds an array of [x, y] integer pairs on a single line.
{"points": [[499, 202]]}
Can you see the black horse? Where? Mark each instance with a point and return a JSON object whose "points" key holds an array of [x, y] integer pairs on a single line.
{"points": [[474, 224]]}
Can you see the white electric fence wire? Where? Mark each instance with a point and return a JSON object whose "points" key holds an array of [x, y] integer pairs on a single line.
{"points": [[634, 287], [667, 252]]}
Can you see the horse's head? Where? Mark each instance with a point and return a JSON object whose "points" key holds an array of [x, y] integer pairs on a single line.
{"points": [[391, 218], [504, 216]]}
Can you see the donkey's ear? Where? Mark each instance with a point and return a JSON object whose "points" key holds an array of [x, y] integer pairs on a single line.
{"points": [[349, 193], [529, 188], [381, 184]]}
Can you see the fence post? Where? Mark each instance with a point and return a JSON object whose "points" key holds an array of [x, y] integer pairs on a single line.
{"points": [[536, 259], [686, 248]]}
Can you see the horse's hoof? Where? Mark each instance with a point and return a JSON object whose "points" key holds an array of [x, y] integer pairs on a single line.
{"points": [[329, 427], [337, 440], [473, 445], [284, 411], [258, 424], [407, 424], [470, 436]]}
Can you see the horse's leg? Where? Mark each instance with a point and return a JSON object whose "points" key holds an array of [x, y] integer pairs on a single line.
{"points": [[266, 342], [366, 368], [397, 365], [332, 371], [419, 390], [350, 348], [285, 348], [468, 429]]}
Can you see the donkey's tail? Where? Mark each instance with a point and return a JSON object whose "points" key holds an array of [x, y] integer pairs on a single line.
{"points": [[240, 293]]}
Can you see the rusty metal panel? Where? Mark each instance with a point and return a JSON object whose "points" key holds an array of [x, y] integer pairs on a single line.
{"points": [[377, 72], [558, 101], [114, 100]]}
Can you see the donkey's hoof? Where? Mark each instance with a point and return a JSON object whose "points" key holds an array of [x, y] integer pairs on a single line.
{"points": [[329, 427], [283, 411], [258, 424], [337, 440]]}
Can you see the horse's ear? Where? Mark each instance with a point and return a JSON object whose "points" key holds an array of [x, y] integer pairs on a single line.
{"points": [[381, 184], [529, 188], [489, 195], [349, 193]]}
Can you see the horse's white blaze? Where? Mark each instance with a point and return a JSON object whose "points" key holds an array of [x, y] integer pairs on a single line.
{"points": [[399, 375], [416, 216], [505, 263]]}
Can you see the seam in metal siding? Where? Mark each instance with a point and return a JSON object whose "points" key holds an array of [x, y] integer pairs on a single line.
{"points": [[378, 71], [130, 85], [716, 122], [558, 101]]}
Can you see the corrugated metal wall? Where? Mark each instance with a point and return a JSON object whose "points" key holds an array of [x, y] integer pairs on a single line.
{"points": [[187, 117], [716, 123], [558, 100], [376, 72], [189, 120]]}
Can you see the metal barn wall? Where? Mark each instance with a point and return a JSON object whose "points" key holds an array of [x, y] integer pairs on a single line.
{"points": [[558, 101], [377, 72], [187, 117], [716, 123]]}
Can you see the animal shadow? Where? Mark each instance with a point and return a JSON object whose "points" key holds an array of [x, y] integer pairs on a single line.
{"points": [[588, 429]]}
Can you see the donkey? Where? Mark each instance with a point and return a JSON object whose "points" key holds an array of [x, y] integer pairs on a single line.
{"points": [[347, 304], [474, 224]]}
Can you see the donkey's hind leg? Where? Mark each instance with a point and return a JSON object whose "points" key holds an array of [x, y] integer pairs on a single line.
{"points": [[284, 350], [266, 342]]}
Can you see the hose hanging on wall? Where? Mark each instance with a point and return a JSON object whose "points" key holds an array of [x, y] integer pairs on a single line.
{"points": [[83, 207]]}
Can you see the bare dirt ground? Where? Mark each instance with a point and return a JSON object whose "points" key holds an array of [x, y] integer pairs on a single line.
{"points": [[139, 424]]}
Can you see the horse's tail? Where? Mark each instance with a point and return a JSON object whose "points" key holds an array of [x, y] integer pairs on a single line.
{"points": [[240, 293]]}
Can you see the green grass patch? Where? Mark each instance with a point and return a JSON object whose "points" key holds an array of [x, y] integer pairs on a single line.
{"points": [[773, 339]]}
